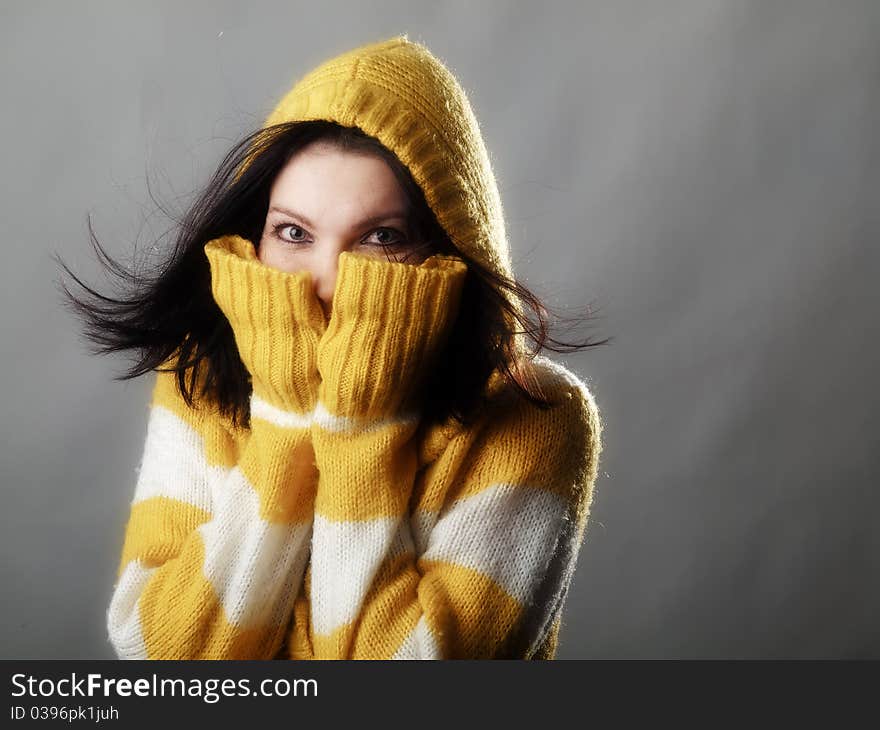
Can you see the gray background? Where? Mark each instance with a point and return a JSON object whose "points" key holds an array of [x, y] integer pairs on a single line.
{"points": [[707, 172]]}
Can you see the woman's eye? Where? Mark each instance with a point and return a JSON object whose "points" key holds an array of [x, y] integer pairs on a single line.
{"points": [[290, 237], [387, 237], [295, 233]]}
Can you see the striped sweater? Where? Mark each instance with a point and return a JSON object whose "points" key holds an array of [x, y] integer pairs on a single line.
{"points": [[334, 526]]}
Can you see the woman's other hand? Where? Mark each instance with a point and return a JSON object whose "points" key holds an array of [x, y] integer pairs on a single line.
{"points": [[277, 320], [388, 322]]}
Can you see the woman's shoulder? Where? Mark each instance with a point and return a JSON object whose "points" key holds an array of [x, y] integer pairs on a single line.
{"points": [[571, 424], [573, 416], [560, 385]]}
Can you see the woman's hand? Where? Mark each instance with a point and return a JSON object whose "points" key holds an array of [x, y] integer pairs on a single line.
{"points": [[277, 320], [388, 322]]}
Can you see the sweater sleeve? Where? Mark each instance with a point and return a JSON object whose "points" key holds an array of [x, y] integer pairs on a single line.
{"points": [[481, 568], [219, 531]]}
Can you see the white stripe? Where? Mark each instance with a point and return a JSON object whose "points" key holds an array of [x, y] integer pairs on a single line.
{"points": [[265, 411], [255, 566], [419, 644], [506, 532], [173, 463], [553, 373], [343, 424], [345, 559], [123, 616]]}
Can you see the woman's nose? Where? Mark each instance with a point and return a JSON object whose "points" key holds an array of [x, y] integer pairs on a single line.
{"points": [[324, 276]]}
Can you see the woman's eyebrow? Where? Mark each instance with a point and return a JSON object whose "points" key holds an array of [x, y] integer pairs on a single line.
{"points": [[365, 222]]}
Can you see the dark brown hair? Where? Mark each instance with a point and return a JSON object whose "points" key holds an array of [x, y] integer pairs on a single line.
{"points": [[169, 319]]}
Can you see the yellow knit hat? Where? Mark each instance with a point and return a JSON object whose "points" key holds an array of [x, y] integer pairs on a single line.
{"points": [[398, 92]]}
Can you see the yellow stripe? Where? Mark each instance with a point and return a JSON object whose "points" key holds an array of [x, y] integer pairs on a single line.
{"points": [[365, 478], [517, 445], [391, 610], [432, 484], [468, 613], [167, 609], [286, 486], [157, 529]]}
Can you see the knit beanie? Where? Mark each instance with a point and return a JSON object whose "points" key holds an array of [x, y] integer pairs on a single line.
{"points": [[398, 92]]}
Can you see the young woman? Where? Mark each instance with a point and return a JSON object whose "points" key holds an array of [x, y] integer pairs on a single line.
{"points": [[351, 452]]}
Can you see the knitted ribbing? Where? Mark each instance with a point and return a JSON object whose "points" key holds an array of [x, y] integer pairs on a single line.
{"points": [[389, 321], [277, 320]]}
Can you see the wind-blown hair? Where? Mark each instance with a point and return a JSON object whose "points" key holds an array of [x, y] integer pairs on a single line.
{"points": [[168, 317]]}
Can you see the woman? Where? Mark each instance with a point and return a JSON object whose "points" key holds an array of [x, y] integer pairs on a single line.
{"points": [[350, 452]]}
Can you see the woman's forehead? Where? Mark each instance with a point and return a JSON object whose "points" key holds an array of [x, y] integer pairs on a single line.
{"points": [[334, 182]]}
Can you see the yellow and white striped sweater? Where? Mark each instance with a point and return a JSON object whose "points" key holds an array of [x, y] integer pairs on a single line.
{"points": [[334, 527]]}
